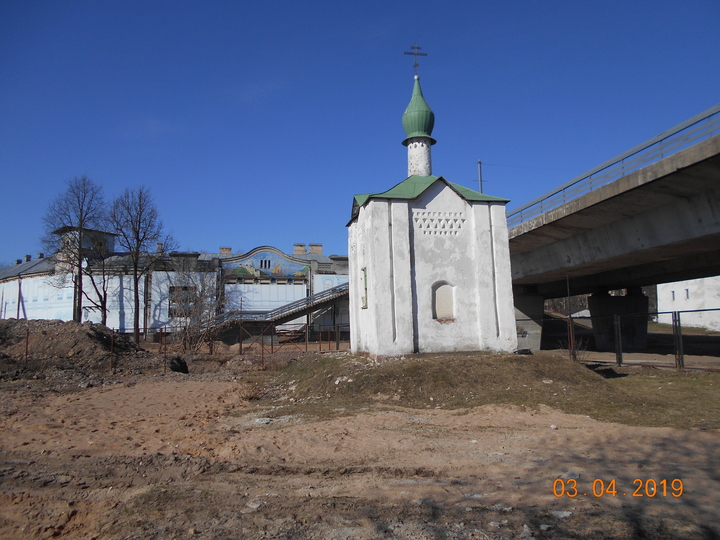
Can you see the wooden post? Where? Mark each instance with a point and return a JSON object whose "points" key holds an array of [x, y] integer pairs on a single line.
{"points": [[262, 349], [112, 349], [571, 339], [337, 337], [618, 340], [240, 338], [678, 341], [163, 338]]}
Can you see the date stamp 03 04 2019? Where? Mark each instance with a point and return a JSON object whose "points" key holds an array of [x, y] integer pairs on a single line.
{"points": [[643, 488]]}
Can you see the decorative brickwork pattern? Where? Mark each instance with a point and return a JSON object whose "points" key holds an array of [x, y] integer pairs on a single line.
{"points": [[438, 223]]}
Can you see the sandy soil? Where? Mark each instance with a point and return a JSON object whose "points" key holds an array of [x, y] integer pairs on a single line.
{"points": [[180, 456]]}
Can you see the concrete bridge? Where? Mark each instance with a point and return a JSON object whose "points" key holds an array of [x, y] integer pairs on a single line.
{"points": [[649, 216]]}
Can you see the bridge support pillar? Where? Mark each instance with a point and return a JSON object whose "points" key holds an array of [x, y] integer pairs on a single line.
{"points": [[633, 312], [529, 311]]}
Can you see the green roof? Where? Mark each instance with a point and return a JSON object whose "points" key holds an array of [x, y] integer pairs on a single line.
{"points": [[418, 119], [414, 186]]}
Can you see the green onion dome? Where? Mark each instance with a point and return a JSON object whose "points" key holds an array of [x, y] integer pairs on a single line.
{"points": [[418, 119]]}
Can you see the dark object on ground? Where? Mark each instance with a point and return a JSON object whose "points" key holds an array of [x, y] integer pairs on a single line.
{"points": [[523, 351], [605, 372], [178, 364]]}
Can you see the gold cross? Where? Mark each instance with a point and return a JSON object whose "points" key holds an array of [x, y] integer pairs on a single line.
{"points": [[415, 53]]}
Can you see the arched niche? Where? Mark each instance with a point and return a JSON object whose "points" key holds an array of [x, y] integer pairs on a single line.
{"points": [[443, 302]]}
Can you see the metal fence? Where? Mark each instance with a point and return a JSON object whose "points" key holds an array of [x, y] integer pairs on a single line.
{"points": [[663, 343], [692, 131]]}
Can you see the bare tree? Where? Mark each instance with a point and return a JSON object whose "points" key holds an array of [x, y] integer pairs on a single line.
{"points": [[194, 299], [79, 208], [98, 269], [136, 220]]}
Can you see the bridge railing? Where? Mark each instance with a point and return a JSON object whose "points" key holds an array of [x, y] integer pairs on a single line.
{"points": [[692, 131]]}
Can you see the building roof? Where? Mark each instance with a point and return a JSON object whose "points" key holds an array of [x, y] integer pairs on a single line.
{"points": [[414, 186], [418, 119], [300, 258], [38, 266], [69, 228], [123, 260]]}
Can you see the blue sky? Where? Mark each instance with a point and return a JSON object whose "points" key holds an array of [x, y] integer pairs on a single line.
{"points": [[256, 122]]}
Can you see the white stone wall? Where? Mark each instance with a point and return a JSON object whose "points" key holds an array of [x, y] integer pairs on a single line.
{"points": [[41, 298], [419, 157], [262, 296], [414, 262], [323, 282], [693, 294], [36, 297], [121, 304]]}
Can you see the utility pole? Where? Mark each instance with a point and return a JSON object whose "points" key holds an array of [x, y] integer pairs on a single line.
{"points": [[480, 175]]}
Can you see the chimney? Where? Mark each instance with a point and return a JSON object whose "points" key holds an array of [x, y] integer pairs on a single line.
{"points": [[299, 249], [41, 256], [159, 247], [225, 250], [28, 258], [316, 249], [18, 261]]}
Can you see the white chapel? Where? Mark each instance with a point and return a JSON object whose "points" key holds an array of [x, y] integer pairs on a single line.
{"points": [[428, 260]]}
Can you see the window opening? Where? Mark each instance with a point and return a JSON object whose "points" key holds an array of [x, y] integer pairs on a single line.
{"points": [[363, 300]]}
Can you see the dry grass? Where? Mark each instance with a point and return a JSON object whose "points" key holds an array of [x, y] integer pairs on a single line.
{"points": [[662, 328], [330, 384]]}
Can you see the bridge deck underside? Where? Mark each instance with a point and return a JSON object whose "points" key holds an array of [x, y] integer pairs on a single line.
{"points": [[658, 224]]}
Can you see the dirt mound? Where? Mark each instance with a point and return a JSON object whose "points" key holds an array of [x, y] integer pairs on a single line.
{"points": [[47, 339], [322, 384], [448, 380]]}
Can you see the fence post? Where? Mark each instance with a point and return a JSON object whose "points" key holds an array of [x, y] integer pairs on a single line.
{"points": [[337, 337], [163, 342], [618, 340], [240, 338], [677, 340], [571, 339], [262, 348], [112, 349]]}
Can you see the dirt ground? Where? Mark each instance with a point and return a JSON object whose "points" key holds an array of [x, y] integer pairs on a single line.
{"points": [[143, 453]]}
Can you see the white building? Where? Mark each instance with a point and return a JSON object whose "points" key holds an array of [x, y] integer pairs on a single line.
{"points": [[429, 260], [695, 298], [256, 282]]}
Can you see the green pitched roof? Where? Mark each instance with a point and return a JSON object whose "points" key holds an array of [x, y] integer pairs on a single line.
{"points": [[414, 186], [418, 119]]}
